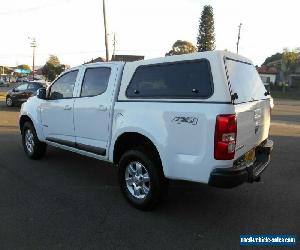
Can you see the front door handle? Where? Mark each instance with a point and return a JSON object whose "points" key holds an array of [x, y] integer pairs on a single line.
{"points": [[102, 108], [67, 107]]}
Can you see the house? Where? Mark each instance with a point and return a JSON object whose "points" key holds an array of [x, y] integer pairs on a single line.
{"points": [[267, 74], [275, 61], [98, 59], [127, 58]]}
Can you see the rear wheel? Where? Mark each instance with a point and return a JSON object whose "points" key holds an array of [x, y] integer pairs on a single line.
{"points": [[33, 147], [141, 179], [9, 101]]}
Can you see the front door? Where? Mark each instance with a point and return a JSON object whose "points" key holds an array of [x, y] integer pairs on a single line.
{"points": [[57, 111], [93, 109]]}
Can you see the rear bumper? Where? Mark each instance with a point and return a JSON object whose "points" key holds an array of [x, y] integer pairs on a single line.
{"points": [[242, 172]]}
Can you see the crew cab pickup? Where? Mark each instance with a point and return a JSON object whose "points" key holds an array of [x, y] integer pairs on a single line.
{"points": [[201, 117]]}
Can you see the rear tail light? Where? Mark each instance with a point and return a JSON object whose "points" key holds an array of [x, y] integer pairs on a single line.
{"points": [[225, 137]]}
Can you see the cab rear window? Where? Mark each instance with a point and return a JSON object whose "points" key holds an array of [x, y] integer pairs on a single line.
{"points": [[185, 79]]}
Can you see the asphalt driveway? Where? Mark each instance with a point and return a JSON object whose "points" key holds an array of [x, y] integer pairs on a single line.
{"points": [[67, 201]]}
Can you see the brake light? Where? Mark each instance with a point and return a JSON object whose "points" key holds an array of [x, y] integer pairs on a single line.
{"points": [[225, 137]]}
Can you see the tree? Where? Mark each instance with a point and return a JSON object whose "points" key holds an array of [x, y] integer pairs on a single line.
{"points": [[24, 67], [206, 36], [275, 57], [289, 63], [54, 60], [52, 68], [181, 47]]}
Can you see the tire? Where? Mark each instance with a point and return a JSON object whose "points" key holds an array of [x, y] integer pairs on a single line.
{"points": [[9, 101], [141, 179], [33, 147]]}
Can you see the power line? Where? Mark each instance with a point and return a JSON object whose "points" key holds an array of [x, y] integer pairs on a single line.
{"points": [[33, 8]]}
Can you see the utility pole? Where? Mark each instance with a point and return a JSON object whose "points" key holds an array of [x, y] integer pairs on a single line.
{"points": [[33, 46], [114, 44], [105, 30], [239, 36]]}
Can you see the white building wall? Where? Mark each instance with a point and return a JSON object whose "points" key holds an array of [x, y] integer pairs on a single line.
{"points": [[265, 77]]}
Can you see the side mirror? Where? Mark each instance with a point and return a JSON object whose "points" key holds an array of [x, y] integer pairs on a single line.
{"points": [[41, 93]]}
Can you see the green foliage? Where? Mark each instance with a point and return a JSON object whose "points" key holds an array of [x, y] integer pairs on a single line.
{"points": [[23, 66], [52, 68], [275, 57], [290, 60], [53, 60], [181, 47], [206, 36]]}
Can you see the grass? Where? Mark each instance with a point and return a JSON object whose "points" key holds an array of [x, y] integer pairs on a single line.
{"points": [[287, 95]]}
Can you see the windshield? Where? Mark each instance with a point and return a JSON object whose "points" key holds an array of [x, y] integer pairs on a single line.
{"points": [[245, 81]]}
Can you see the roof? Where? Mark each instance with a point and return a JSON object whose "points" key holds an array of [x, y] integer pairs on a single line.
{"points": [[195, 56], [267, 70], [127, 58], [98, 59]]}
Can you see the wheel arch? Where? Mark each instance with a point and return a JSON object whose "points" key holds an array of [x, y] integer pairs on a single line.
{"points": [[26, 117], [129, 140], [23, 119]]}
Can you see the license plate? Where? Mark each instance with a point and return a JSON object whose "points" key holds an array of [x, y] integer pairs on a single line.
{"points": [[250, 155]]}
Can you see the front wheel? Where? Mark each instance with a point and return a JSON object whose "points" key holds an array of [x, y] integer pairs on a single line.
{"points": [[33, 147], [9, 101], [141, 179]]}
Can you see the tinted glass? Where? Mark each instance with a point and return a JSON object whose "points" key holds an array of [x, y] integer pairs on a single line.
{"points": [[95, 81], [34, 86], [63, 87], [190, 79], [245, 81], [22, 87]]}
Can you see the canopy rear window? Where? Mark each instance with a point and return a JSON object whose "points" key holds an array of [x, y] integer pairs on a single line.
{"points": [[245, 81]]}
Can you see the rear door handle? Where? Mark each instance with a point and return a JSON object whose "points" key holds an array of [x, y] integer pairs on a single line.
{"points": [[67, 107], [102, 108]]}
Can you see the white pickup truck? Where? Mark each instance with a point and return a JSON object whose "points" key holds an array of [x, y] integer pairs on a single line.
{"points": [[201, 117]]}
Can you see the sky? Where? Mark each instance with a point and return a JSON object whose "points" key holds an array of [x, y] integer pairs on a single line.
{"points": [[73, 29]]}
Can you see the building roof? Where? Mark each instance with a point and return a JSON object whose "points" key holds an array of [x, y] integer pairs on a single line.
{"points": [[98, 59], [127, 58], [267, 70]]}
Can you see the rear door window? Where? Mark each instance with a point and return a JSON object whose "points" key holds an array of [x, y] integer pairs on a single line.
{"points": [[34, 86], [22, 87], [95, 81], [186, 79]]}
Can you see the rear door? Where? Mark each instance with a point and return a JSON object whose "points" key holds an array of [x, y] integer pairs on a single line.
{"points": [[252, 106], [93, 108]]}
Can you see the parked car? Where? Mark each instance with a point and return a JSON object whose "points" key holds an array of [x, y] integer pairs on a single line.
{"points": [[22, 79], [21, 93], [3, 83], [201, 117]]}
